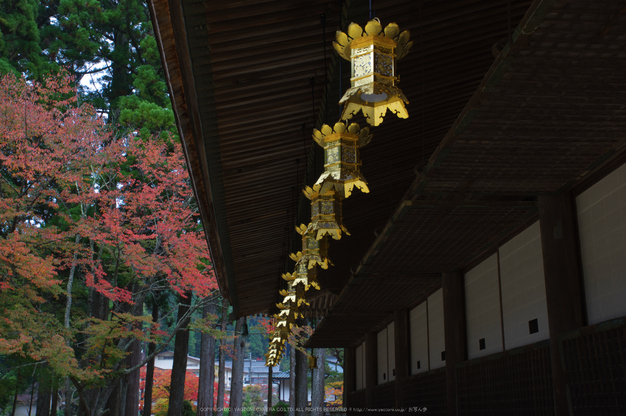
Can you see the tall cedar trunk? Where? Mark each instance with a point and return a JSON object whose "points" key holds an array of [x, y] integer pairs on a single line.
{"points": [[317, 384], [113, 403], [207, 367], [236, 385], [147, 402], [67, 396], [16, 392], [221, 373], [132, 389], [43, 396], [32, 392], [179, 366], [131, 404], [95, 398], [292, 381], [66, 322], [301, 383], [55, 400]]}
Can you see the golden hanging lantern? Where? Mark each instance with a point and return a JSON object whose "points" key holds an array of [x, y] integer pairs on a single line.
{"points": [[280, 337], [373, 53], [275, 349], [342, 159], [289, 311], [285, 322], [295, 295], [302, 278], [314, 252], [325, 213], [306, 277]]}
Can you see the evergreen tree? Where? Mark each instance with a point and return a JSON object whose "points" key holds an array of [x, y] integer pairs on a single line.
{"points": [[19, 37], [109, 43]]}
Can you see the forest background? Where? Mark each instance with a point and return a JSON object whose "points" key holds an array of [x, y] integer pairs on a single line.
{"points": [[103, 259]]}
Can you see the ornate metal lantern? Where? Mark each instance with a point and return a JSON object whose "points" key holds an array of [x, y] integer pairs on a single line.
{"points": [[373, 53], [325, 213], [342, 159], [306, 277], [280, 336], [314, 252], [301, 279], [285, 322], [276, 347], [295, 295], [288, 311]]}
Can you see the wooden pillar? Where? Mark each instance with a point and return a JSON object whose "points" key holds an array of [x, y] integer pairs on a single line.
{"points": [[349, 375], [301, 391], [236, 384], [371, 366], [455, 331], [270, 386], [317, 382], [563, 280], [292, 381], [401, 344]]}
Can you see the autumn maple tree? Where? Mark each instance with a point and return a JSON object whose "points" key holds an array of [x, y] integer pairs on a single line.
{"points": [[161, 389], [92, 226]]}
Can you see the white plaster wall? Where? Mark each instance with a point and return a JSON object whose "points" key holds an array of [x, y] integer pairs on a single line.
{"points": [[391, 351], [22, 409], [164, 361], [436, 339], [482, 304], [523, 288], [381, 343], [602, 227], [360, 367], [419, 338]]}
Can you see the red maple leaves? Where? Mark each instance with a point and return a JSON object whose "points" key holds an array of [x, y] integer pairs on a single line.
{"points": [[161, 389], [116, 214]]}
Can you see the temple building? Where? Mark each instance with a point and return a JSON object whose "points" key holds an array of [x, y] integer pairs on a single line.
{"points": [[485, 270]]}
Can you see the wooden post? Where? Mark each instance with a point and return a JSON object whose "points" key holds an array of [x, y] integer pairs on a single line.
{"points": [[349, 375], [207, 366], [292, 381], [401, 344], [236, 384], [221, 381], [371, 364], [563, 280], [317, 382], [455, 331], [301, 392]]}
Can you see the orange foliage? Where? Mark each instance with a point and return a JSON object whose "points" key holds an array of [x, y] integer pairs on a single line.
{"points": [[161, 389], [68, 190], [334, 391]]}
